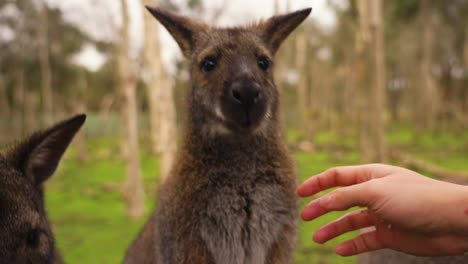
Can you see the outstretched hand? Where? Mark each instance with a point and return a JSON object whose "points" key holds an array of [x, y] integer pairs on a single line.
{"points": [[411, 213]]}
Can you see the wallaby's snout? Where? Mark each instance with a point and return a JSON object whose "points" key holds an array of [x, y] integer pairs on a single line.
{"points": [[244, 103]]}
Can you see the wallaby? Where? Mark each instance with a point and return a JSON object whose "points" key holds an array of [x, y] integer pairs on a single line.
{"points": [[25, 232], [230, 198]]}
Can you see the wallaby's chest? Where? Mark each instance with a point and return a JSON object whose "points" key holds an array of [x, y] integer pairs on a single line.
{"points": [[239, 221]]}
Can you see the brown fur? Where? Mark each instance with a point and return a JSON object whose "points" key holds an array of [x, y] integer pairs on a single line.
{"points": [[230, 197], [25, 232]]}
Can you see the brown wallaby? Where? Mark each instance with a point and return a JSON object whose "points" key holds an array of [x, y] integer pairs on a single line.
{"points": [[25, 232], [230, 198]]}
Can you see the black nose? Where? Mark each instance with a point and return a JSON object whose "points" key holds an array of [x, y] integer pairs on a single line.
{"points": [[246, 95], [244, 103]]}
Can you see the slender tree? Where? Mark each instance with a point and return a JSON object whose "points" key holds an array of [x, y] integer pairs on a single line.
{"points": [[80, 107], [378, 92], [133, 187], [159, 87], [428, 105], [4, 110], [44, 60], [302, 86], [363, 44], [18, 100]]}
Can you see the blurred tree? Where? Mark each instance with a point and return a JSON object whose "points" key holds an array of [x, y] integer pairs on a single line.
{"points": [[429, 101], [4, 110], [80, 106], [363, 44], [46, 82], [24, 52], [303, 92], [378, 95], [372, 80], [133, 189], [162, 114]]}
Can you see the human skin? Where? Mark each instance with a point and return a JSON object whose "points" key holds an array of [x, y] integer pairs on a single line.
{"points": [[410, 212]]}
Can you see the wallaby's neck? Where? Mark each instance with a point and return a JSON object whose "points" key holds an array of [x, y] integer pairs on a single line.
{"points": [[222, 145]]}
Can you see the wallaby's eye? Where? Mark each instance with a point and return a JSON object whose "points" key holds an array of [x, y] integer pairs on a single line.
{"points": [[33, 238], [208, 64], [263, 63]]}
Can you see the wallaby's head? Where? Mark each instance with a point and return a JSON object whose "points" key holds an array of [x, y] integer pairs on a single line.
{"points": [[231, 69], [25, 233]]}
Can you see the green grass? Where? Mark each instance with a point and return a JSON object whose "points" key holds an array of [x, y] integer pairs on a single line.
{"points": [[88, 214], [88, 211]]}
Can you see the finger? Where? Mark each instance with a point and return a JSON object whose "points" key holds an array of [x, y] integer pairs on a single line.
{"points": [[338, 176], [349, 222], [339, 200], [362, 243]]}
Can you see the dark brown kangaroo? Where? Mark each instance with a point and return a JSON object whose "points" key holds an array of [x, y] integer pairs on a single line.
{"points": [[25, 232], [230, 198]]}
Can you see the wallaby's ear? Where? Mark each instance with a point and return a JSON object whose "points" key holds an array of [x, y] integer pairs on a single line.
{"points": [[38, 156], [276, 29], [182, 29]]}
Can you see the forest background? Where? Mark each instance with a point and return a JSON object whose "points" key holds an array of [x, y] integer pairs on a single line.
{"points": [[360, 81]]}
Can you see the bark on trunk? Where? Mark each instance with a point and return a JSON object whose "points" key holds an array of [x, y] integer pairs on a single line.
{"points": [[371, 80], [18, 99], [379, 91], [31, 110], [80, 107], [4, 112], [133, 188], [4, 104], [46, 75], [363, 43], [163, 128], [302, 85], [428, 96]]}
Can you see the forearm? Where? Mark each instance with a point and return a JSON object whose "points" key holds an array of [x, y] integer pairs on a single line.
{"points": [[457, 210]]}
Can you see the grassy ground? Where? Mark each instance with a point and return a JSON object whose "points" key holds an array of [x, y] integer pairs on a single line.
{"points": [[88, 214]]}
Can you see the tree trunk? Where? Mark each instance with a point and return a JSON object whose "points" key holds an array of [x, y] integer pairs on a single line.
{"points": [[302, 85], [276, 7], [371, 80], [379, 91], [30, 110], [363, 43], [4, 103], [18, 99], [80, 107], [105, 108], [46, 87], [427, 105], [160, 97], [153, 74], [4, 112], [133, 188]]}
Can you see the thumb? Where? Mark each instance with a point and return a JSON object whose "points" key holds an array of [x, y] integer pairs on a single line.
{"points": [[339, 200]]}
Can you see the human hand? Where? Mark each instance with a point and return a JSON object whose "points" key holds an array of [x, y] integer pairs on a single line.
{"points": [[411, 213]]}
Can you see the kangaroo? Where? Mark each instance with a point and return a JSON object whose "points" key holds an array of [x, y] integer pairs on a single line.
{"points": [[25, 232], [230, 198]]}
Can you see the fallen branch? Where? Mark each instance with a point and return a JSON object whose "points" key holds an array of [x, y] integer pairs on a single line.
{"points": [[410, 161]]}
